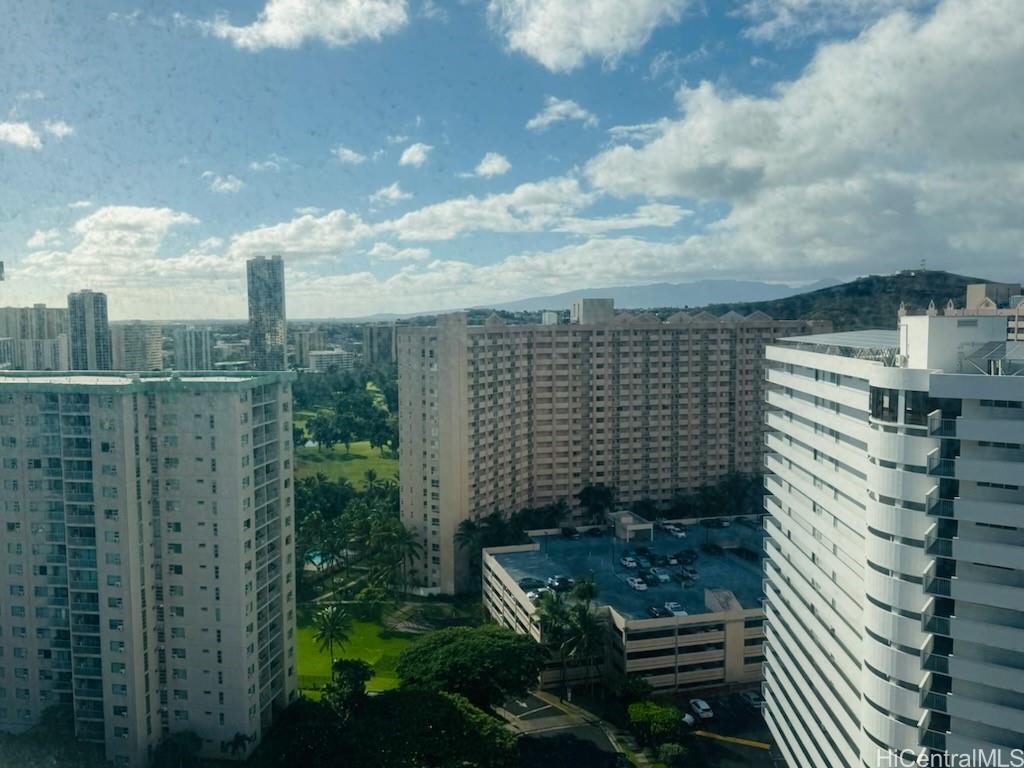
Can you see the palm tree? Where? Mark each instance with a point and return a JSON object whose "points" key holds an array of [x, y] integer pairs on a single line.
{"points": [[585, 636], [406, 547], [585, 590], [553, 616], [371, 481], [331, 625]]}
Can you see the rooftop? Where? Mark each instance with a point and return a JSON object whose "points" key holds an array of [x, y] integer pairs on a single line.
{"points": [[599, 557], [113, 380], [870, 340]]}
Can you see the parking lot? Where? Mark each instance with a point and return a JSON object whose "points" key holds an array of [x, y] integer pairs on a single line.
{"points": [[740, 727], [600, 558]]}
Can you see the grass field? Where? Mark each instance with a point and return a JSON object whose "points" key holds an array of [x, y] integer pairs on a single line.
{"points": [[352, 466], [365, 642]]}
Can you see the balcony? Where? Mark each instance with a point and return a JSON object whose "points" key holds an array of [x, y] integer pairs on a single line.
{"points": [[939, 467], [940, 507]]}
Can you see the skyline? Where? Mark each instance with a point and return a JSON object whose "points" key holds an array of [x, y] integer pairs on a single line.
{"points": [[546, 150]]}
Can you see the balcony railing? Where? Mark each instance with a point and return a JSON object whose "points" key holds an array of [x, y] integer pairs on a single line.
{"points": [[940, 507], [938, 467], [936, 662], [935, 701], [940, 427], [940, 587]]}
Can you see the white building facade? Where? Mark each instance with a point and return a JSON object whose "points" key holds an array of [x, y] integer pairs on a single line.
{"points": [[895, 570], [147, 564]]}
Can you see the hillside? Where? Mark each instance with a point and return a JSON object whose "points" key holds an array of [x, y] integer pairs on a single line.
{"points": [[867, 302]]}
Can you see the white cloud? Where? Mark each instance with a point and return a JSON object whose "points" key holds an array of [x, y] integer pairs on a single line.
{"points": [[894, 145], [306, 236], [310, 210], [390, 194], [783, 20], [44, 238], [649, 215], [224, 185], [562, 34], [348, 156], [290, 23], [556, 110], [396, 138], [638, 132], [388, 252], [529, 207], [273, 162], [80, 204], [415, 154], [58, 128], [491, 165], [20, 135]]}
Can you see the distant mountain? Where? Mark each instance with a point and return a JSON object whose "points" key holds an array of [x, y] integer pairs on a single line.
{"points": [[665, 295], [867, 302]]}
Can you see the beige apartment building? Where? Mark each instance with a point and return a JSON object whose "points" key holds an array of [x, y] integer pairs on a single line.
{"points": [[498, 417], [137, 346], [992, 299], [34, 338], [147, 556]]}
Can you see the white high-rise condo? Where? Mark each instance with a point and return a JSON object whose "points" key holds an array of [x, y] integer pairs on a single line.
{"points": [[89, 332], [895, 570], [268, 337], [193, 348], [147, 558]]}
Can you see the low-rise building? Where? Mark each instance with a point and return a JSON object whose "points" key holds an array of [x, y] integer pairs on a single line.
{"points": [[708, 629], [325, 359]]}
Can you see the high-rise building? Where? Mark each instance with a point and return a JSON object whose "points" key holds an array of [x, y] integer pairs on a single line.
{"points": [[38, 335], [501, 417], [268, 337], [306, 342], [193, 348], [895, 578], [89, 332], [137, 346], [148, 559], [379, 342], [1002, 299]]}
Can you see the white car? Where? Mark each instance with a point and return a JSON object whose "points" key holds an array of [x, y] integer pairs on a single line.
{"points": [[661, 574], [676, 609], [678, 533], [701, 709], [536, 594], [638, 584], [687, 719], [627, 561]]}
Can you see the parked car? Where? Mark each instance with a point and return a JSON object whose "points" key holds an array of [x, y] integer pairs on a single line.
{"points": [[657, 559], [650, 579], [660, 574], [688, 720], [710, 548], [529, 584], [754, 700], [560, 583], [570, 533], [701, 709], [534, 595], [689, 572], [628, 561], [658, 613], [643, 562], [677, 532], [638, 584], [672, 560], [687, 556], [676, 609]]}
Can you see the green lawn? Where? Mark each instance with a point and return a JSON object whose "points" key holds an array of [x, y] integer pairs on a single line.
{"points": [[352, 466], [365, 642]]}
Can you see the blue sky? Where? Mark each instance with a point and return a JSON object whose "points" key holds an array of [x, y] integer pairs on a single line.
{"points": [[406, 155]]}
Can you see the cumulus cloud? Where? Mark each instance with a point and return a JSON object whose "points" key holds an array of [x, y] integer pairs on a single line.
{"points": [[894, 145], [530, 207], [224, 185], [563, 34], [784, 20], [348, 156], [273, 162], [491, 165], [390, 194], [415, 154], [44, 238], [20, 135], [388, 252], [58, 128], [650, 215], [557, 110], [308, 235], [290, 23], [80, 204]]}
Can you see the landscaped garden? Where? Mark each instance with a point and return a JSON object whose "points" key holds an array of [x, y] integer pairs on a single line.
{"points": [[351, 465], [367, 640]]}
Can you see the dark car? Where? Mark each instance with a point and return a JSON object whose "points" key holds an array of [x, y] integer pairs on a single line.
{"points": [[643, 550], [655, 612], [687, 556], [650, 579], [657, 559], [560, 583], [528, 584], [596, 531], [570, 533]]}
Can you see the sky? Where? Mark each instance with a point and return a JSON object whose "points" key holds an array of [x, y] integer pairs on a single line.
{"points": [[414, 155]]}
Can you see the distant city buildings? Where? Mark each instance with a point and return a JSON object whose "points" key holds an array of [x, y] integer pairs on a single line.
{"points": [[307, 342], [137, 346], [895, 578], [147, 566], [268, 336], [34, 338], [999, 299], [193, 348], [501, 417], [379, 343], [328, 359], [89, 332]]}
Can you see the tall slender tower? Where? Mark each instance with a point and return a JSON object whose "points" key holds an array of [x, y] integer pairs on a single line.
{"points": [[267, 328], [90, 333]]}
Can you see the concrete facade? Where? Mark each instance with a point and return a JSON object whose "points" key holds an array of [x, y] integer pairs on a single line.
{"points": [[137, 346], [501, 417], [147, 564], [193, 348], [895, 578], [89, 332]]}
